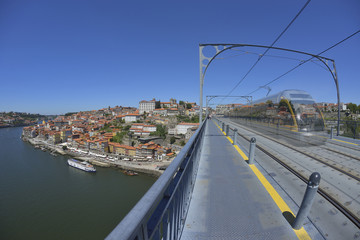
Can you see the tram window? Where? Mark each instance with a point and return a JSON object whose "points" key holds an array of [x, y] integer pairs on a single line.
{"points": [[304, 101], [300, 96]]}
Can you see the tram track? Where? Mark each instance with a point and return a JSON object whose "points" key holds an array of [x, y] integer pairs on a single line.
{"points": [[356, 177], [352, 217], [337, 204], [342, 153], [326, 148], [347, 147]]}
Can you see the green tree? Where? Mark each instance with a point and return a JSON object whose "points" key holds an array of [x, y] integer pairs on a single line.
{"points": [[126, 128], [157, 104], [284, 103], [182, 143], [194, 119], [118, 138], [269, 103], [182, 103], [352, 107], [160, 131], [188, 106], [172, 140]]}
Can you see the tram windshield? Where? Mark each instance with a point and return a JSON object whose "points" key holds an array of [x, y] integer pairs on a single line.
{"points": [[308, 116]]}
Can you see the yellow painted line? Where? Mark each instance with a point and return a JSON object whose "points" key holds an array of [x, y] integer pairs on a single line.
{"points": [[301, 233], [344, 141], [241, 153], [230, 140], [337, 140]]}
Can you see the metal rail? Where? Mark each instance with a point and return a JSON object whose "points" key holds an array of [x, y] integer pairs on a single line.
{"points": [[310, 156], [161, 212], [352, 217], [334, 202]]}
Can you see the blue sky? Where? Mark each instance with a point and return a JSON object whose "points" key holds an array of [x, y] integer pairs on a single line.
{"points": [[64, 56]]}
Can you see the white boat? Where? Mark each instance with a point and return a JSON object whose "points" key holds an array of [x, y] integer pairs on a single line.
{"points": [[85, 166]]}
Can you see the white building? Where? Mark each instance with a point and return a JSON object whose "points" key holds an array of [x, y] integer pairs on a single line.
{"points": [[146, 106], [132, 118], [142, 127], [172, 131], [160, 111], [149, 128], [182, 128], [343, 106]]}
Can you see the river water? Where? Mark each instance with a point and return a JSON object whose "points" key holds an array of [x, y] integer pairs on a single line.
{"points": [[41, 197]]}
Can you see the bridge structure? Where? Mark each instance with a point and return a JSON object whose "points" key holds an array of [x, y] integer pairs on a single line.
{"points": [[217, 189], [231, 181]]}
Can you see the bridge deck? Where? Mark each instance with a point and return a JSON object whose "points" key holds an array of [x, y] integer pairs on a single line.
{"points": [[228, 201]]}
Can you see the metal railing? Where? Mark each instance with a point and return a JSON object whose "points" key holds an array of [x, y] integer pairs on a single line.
{"points": [[161, 212], [348, 128]]}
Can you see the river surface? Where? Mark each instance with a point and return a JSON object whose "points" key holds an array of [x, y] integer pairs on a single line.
{"points": [[41, 197]]}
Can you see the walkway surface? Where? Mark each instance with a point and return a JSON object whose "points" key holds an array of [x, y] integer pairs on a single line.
{"points": [[229, 202]]}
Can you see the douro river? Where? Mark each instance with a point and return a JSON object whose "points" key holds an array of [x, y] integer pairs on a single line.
{"points": [[41, 197]]}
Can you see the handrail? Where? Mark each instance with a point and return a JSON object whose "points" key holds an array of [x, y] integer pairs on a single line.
{"points": [[159, 196]]}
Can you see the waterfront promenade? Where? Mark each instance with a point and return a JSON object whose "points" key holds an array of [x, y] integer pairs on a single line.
{"points": [[154, 168]]}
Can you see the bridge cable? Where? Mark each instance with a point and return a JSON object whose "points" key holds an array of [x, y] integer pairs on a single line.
{"points": [[261, 55], [336, 44]]}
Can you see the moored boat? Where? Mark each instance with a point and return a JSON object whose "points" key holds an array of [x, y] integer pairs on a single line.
{"points": [[130, 173], [85, 166]]}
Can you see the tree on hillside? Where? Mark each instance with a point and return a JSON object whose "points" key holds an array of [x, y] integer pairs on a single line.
{"points": [[157, 104], [172, 140], [353, 107], [269, 103], [182, 103], [160, 131], [284, 103], [188, 106]]}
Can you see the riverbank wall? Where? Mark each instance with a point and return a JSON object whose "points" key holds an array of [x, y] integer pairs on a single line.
{"points": [[150, 168]]}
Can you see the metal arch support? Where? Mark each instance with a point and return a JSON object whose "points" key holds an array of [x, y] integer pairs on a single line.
{"points": [[334, 75], [227, 46]]}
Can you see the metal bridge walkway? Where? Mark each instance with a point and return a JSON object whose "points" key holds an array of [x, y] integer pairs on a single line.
{"points": [[228, 201]]}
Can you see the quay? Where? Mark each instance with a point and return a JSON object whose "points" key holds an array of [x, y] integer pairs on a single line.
{"points": [[150, 168]]}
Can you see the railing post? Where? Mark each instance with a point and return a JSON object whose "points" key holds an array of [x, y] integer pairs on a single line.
{"points": [[235, 136], [227, 130], [308, 200], [355, 129], [223, 127], [252, 150], [331, 132]]}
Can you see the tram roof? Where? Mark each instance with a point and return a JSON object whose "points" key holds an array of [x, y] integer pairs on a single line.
{"points": [[290, 94]]}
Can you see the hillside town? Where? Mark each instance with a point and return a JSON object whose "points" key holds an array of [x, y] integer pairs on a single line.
{"points": [[153, 133], [17, 119]]}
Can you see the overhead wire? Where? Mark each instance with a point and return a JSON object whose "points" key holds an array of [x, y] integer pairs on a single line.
{"points": [[261, 56], [292, 69]]}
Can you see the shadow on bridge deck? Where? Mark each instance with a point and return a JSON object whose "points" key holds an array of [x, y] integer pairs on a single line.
{"points": [[228, 201]]}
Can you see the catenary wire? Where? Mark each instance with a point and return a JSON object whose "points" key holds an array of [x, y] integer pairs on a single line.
{"points": [[260, 57], [292, 69]]}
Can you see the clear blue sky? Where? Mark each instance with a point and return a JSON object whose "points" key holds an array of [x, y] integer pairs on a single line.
{"points": [[64, 56]]}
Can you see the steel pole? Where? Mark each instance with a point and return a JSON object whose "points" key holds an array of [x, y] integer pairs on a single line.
{"points": [[201, 84], [308, 200], [252, 150], [235, 136], [338, 97]]}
